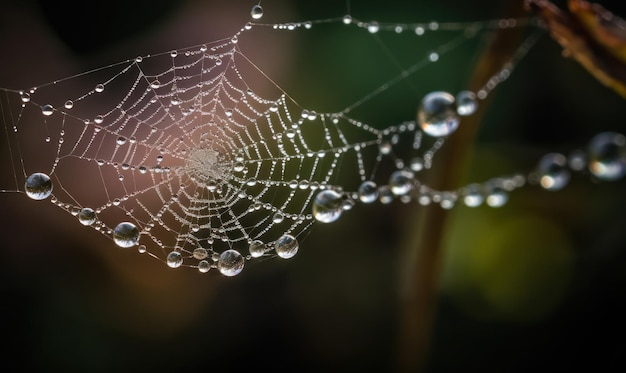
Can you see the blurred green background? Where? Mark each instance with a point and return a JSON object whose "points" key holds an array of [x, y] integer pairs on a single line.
{"points": [[536, 285]]}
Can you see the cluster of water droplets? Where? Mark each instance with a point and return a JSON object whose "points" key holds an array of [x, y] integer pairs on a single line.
{"points": [[250, 166]]}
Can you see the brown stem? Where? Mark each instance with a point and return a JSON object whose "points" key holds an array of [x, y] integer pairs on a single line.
{"points": [[422, 257]]}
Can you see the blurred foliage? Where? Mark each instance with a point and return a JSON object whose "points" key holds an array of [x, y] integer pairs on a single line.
{"points": [[536, 285]]}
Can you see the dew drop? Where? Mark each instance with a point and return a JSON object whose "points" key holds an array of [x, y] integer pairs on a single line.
{"points": [[230, 263], [373, 27], [417, 164], [25, 97], [126, 235], [87, 216], [38, 186], [99, 88], [257, 249], [327, 206], [99, 119], [607, 156], [401, 182], [472, 196], [385, 195], [174, 259], [466, 103], [200, 253], [121, 140], [142, 249], [368, 191], [552, 171], [204, 266], [347, 19], [256, 12], [155, 84], [278, 218], [437, 114], [47, 110], [69, 104], [497, 197], [286, 246]]}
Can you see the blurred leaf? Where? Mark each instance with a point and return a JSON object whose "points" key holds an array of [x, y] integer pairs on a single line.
{"points": [[591, 35]]}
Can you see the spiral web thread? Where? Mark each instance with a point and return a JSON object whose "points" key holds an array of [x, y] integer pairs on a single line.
{"points": [[177, 154]]}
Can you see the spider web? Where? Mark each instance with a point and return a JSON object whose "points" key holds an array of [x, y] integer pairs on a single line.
{"points": [[197, 158]]}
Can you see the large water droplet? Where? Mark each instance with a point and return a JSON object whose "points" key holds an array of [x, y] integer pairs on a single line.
{"points": [[230, 263], [256, 12], [437, 114], [99, 88], [126, 234], [25, 96], [401, 182], [327, 206], [368, 192], [38, 186], [174, 259], [87, 216], [607, 156], [552, 171], [47, 110], [286, 246], [69, 104]]}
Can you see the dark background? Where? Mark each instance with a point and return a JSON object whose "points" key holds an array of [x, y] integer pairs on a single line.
{"points": [[536, 285]]}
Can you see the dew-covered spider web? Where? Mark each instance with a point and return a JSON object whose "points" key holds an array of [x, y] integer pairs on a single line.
{"points": [[197, 158]]}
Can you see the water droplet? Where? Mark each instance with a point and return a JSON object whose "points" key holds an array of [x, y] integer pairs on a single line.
{"points": [[99, 88], [142, 249], [230, 263], [99, 119], [496, 196], [121, 140], [87, 216], [607, 156], [238, 166], [368, 191], [385, 196], [347, 19], [174, 259], [138, 59], [175, 100], [126, 235], [401, 182], [437, 114], [257, 248], [25, 96], [155, 84], [200, 253], [47, 110], [466, 103], [278, 217], [256, 12], [229, 113], [385, 147], [552, 171], [327, 206], [373, 27], [204, 266], [69, 104], [234, 40], [173, 54], [38, 186], [417, 164], [472, 196], [286, 246]]}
